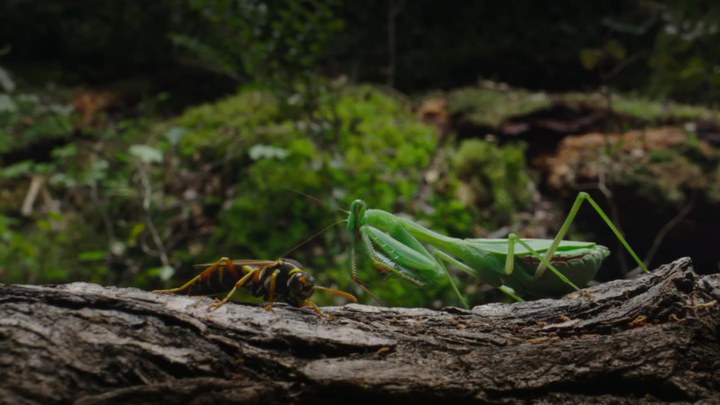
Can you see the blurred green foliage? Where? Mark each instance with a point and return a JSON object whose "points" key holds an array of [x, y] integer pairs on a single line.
{"points": [[219, 180], [26, 119], [276, 42], [69, 41], [685, 57]]}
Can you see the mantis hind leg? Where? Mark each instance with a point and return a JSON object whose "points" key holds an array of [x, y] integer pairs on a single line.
{"points": [[442, 256], [582, 197], [511, 293], [544, 261]]}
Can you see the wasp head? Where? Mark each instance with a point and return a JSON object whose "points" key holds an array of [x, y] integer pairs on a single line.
{"points": [[301, 286]]}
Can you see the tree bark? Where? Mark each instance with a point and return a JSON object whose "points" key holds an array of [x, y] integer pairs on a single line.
{"points": [[653, 339]]}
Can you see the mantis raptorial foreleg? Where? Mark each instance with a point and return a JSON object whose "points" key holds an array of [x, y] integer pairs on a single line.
{"points": [[406, 247], [354, 270], [582, 197], [381, 261]]}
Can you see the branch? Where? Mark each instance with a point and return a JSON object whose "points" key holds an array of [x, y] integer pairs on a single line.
{"points": [[650, 339]]}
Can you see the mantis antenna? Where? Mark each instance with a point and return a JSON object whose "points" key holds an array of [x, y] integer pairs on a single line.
{"points": [[317, 200], [314, 236]]}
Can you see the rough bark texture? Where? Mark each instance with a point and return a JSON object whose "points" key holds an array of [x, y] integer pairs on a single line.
{"points": [[652, 339]]}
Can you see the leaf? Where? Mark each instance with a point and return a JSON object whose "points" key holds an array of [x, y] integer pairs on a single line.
{"points": [[176, 134], [258, 152], [136, 230], [6, 81], [146, 153], [97, 171], [7, 104], [616, 50], [589, 58], [92, 255], [163, 272], [16, 170]]}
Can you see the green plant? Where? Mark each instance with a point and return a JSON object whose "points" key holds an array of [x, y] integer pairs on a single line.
{"points": [[260, 41], [493, 177]]}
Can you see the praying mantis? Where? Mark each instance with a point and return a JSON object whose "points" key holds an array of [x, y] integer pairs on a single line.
{"points": [[516, 266]]}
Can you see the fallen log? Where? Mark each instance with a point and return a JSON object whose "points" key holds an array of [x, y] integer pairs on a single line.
{"points": [[653, 339]]}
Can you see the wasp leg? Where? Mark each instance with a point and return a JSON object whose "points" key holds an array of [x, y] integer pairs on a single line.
{"points": [[308, 303], [202, 276], [239, 284], [271, 293]]}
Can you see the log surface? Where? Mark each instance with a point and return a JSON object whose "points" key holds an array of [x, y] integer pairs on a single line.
{"points": [[654, 339]]}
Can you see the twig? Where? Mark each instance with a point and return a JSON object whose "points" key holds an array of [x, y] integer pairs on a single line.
{"points": [[614, 215], [394, 9], [36, 183], [107, 222], [147, 198], [674, 221]]}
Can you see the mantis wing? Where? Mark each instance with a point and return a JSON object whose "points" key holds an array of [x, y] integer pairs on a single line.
{"points": [[500, 246]]}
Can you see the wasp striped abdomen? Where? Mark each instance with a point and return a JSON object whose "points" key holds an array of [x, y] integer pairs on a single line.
{"points": [[213, 280]]}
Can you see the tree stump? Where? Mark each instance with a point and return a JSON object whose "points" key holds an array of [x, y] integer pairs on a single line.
{"points": [[653, 339]]}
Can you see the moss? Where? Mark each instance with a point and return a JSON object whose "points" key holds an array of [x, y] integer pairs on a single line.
{"points": [[493, 177], [490, 106], [646, 109]]}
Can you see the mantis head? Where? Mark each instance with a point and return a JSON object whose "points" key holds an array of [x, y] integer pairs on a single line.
{"points": [[357, 212]]}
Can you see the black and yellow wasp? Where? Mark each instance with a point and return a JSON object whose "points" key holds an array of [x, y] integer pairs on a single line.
{"points": [[274, 280]]}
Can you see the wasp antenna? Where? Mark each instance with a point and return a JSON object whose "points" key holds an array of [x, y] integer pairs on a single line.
{"points": [[336, 292], [314, 236], [325, 203]]}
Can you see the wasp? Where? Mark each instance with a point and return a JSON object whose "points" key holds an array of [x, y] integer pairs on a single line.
{"points": [[274, 280]]}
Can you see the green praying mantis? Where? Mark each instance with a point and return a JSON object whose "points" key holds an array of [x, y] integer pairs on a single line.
{"points": [[515, 265]]}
